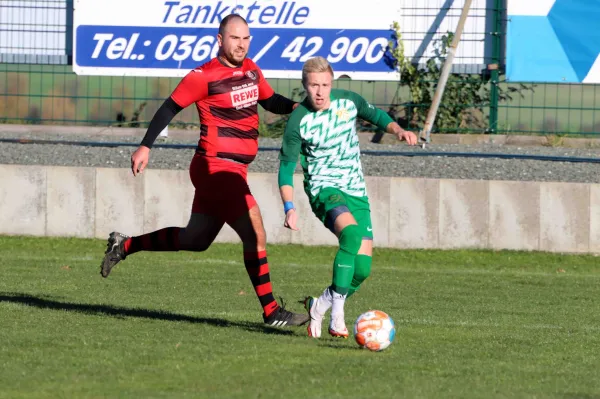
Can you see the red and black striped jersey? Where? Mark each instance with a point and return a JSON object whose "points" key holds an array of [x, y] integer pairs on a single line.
{"points": [[227, 103]]}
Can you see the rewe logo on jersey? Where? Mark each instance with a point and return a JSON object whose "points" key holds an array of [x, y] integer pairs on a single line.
{"points": [[244, 97]]}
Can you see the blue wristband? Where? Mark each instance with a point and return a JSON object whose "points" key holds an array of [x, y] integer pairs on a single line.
{"points": [[287, 206]]}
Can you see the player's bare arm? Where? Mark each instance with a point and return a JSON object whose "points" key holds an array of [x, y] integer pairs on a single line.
{"points": [[286, 190], [287, 197], [139, 159], [288, 157], [409, 137]]}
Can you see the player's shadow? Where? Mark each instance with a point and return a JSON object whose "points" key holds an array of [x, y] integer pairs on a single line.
{"points": [[342, 345], [123, 312]]}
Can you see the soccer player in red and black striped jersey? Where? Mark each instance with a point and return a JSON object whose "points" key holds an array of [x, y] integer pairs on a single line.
{"points": [[226, 91]]}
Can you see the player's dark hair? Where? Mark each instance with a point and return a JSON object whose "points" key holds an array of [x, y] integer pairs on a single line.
{"points": [[228, 19]]}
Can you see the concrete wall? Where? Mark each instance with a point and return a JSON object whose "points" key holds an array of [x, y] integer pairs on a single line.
{"points": [[406, 212]]}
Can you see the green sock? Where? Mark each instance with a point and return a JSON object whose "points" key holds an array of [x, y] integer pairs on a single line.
{"points": [[343, 270], [362, 270], [343, 264]]}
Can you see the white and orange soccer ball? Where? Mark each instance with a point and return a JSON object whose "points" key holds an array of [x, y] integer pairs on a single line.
{"points": [[374, 330]]}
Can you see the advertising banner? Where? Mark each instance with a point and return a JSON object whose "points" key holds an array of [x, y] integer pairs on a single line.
{"points": [[553, 41], [168, 38]]}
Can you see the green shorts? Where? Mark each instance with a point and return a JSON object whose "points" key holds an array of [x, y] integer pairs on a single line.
{"points": [[331, 202]]}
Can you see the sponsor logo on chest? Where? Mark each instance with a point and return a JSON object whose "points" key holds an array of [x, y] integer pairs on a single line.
{"points": [[244, 96]]}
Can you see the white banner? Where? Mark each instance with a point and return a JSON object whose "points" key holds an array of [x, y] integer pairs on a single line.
{"points": [[170, 37]]}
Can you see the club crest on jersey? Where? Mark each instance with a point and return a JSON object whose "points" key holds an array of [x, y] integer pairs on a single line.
{"points": [[343, 114], [335, 198], [251, 75]]}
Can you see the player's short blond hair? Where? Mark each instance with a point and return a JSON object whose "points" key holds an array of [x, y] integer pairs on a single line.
{"points": [[316, 64]]}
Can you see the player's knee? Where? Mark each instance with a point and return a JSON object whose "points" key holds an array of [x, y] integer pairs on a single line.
{"points": [[192, 239], [199, 244], [350, 239], [257, 240], [261, 240], [361, 276]]}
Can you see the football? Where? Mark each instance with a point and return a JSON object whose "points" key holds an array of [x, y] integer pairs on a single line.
{"points": [[374, 330]]}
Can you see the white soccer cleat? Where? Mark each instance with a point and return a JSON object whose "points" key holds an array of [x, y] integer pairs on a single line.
{"points": [[316, 319], [337, 327]]}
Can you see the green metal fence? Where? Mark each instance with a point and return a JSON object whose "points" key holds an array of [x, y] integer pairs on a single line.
{"points": [[37, 85]]}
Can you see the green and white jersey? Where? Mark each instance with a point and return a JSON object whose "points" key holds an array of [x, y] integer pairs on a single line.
{"points": [[327, 142]]}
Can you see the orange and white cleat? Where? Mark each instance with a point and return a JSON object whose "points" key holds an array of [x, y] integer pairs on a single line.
{"points": [[337, 327], [316, 319]]}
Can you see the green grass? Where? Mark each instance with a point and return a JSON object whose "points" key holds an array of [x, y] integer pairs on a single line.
{"points": [[470, 324]]}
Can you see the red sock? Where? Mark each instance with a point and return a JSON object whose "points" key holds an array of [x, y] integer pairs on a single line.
{"points": [[161, 240], [258, 271]]}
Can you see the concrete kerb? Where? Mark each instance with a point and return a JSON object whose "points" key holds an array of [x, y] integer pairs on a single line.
{"points": [[508, 140]]}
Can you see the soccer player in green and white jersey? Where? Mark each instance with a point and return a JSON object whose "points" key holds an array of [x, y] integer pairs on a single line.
{"points": [[322, 131]]}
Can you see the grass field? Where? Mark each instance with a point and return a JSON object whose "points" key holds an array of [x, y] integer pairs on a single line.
{"points": [[470, 324]]}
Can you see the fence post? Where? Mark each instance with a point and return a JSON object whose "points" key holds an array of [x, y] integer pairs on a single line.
{"points": [[439, 90], [69, 32], [494, 66]]}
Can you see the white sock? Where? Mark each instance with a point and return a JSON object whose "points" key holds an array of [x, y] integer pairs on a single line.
{"points": [[325, 301], [337, 308]]}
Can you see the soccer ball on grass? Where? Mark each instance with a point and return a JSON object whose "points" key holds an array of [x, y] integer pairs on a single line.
{"points": [[374, 330]]}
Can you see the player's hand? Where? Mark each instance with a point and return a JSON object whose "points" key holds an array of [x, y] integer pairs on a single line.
{"points": [[139, 159], [410, 137], [291, 220]]}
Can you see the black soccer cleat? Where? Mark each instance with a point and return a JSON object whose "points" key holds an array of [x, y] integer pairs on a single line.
{"points": [[114, 252], [282, 317]]}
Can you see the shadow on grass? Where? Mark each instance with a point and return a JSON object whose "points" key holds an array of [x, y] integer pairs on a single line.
{"points": [[343, 345], [122, 312]]}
